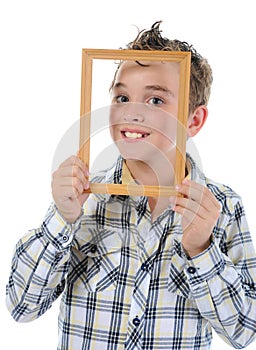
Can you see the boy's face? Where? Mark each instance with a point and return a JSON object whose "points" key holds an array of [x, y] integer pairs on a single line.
{"points": [[144, 108]]}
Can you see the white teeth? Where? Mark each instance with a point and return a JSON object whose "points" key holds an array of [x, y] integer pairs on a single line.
{"points": [[133, 135]]}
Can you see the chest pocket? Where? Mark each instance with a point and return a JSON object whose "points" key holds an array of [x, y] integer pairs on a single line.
{"points": [[95, 266]]}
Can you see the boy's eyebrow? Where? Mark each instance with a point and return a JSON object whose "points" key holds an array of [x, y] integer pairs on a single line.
{"points": [[148, 87], [117, 85], [160, 88]]}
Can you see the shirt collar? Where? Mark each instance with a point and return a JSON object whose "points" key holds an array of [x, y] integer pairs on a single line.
{"points": [[119, 173], [123, 174], [194, 173]]}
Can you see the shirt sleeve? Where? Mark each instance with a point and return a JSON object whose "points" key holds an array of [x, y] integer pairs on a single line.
{"points": [[223, 278], [39, 267]]}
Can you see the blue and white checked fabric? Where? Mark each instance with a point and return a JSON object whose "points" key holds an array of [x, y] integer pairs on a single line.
{"points": [[126, 283]]}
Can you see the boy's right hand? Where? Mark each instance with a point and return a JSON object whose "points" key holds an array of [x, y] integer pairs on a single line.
{"points": [[68, 184]]}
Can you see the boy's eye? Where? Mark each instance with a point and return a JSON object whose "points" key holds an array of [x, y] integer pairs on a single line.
{"points": [[156, 101], [122, 99]]}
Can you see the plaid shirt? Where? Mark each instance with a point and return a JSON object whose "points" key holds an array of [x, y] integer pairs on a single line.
{"points": [[126, 282]]}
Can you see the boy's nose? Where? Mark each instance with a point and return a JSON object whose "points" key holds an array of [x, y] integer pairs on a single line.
{"points": [[134, 112], [137, 118]]}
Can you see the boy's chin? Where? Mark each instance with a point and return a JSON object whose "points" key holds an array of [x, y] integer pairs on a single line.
{"points": [[134, 158], [147, 159]]}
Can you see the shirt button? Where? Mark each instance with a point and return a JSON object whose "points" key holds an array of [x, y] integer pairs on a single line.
{"points": [[93, 249], [173, 251], [191, 270], [144, 267], [136, 321]]}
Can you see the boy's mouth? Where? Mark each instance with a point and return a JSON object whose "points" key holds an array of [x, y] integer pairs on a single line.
{"points": [[134, 134]]}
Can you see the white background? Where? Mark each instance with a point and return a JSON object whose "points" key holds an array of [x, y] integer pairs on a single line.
{"points": [[40, 66]]}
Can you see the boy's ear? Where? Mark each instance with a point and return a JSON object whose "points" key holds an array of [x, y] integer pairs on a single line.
{"points": [[196, 120]]}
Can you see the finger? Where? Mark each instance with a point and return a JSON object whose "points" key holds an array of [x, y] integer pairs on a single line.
{"points": [[189, 218], [186, 214], [184, 205], [75, 161], [209, 195], [200, 194], [70, 192], [71, 171], [71, 182]]}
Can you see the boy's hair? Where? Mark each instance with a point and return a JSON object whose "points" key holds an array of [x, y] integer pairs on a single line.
{"points": [[201, 72]]}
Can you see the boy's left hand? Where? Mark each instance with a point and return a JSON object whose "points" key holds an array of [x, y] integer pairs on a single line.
{"points": [[200, 211]]}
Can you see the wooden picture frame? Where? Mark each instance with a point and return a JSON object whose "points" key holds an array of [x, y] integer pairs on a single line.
{"points": [[183, 58]]}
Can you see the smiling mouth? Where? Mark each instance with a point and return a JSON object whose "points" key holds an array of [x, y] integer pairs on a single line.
{"points": [[134, 135]]}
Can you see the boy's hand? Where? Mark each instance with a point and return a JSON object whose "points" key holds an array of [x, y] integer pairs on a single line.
{"points": [[68, 185], [200, 211]]}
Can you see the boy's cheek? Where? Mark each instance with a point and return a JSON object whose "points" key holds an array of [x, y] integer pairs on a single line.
{"points": [[111, 130]]}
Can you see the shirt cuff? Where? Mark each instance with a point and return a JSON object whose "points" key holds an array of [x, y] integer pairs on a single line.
{"points": [[205, 265], [57, 230]]}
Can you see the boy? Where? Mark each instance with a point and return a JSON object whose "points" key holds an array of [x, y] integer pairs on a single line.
{"points": [[137, 272]]}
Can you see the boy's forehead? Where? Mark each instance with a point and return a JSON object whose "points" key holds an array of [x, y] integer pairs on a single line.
{"points": [[150, 66], [147, 64]]}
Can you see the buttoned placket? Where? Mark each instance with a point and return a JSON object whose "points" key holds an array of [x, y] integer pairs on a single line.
{"points": [[147, 246]]}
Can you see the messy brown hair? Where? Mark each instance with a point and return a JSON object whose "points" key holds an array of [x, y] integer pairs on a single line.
{"points": [[201, 72]]}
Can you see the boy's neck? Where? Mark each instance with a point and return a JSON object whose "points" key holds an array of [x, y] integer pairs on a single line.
{"points": [[159, 175]]}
